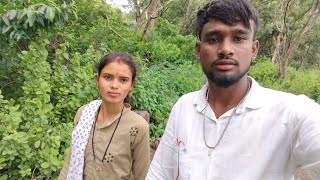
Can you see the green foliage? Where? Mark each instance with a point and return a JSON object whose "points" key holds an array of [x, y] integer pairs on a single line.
{"points": [[31, 142], [304, 81], [159, 87], [18, 18], [46, 74], [264, 72], [74, 83], [166, 45]]}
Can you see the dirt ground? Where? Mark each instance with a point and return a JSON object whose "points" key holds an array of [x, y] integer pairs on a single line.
{"points": [[298, 175]]}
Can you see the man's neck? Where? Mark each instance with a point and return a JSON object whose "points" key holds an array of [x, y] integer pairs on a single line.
{"points": [[223, 99]]}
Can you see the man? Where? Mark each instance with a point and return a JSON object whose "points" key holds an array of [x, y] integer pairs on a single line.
{"points": [[233, 128]]}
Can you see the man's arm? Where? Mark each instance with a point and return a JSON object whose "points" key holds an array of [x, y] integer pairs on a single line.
{"points": [[307, 146], [162, 165]]}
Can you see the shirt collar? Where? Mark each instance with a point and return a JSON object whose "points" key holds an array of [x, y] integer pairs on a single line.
{"points": [[200, 99], [253, 100]]}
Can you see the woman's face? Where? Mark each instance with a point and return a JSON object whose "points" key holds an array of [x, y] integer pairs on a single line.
{"points": [[114, 82]]}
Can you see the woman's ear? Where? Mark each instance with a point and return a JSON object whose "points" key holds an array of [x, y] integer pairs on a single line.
{"points": [[132, 85], [97, 81]]}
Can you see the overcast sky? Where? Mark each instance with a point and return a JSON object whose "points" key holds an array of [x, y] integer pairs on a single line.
{"points": [[118, 3]]}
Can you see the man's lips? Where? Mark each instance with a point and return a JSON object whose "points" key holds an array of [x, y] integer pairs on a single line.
{"points": [[225, 64]]}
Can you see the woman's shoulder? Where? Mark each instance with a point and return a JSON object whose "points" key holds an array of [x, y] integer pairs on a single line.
{"points": [[137, 119], [78, 114]]}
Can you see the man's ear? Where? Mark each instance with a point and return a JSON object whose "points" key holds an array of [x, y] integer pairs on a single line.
{"points": [[197, 50], [255, 48]]}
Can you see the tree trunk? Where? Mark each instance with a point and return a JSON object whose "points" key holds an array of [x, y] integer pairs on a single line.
{"points": [[138, 13], [186, 17], [152, 15], [288, 40], [306, 27]]}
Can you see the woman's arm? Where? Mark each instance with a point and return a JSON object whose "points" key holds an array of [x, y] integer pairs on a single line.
{"points": [[141, 152]]}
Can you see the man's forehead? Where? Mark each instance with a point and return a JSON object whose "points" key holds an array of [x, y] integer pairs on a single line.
{"points": [[214, 23]]}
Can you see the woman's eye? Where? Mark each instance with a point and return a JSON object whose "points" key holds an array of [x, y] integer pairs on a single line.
{"points": [[124, 80], [108, 77]]}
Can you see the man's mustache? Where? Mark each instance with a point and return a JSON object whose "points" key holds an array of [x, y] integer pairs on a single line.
{"points": [[225, 60]]}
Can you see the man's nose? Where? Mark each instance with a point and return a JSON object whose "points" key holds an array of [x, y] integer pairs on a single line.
{"points": [[226, 49]]}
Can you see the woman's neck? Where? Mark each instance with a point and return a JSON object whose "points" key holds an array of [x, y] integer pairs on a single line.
{"points": [[108, 111]]}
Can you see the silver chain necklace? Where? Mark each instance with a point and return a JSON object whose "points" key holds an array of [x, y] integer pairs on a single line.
{"points": [[233, 112]]}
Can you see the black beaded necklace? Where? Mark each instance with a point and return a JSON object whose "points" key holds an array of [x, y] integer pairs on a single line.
{"points": [[99, 167]]}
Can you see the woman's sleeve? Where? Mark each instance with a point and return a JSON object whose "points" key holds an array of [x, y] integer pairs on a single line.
{"points": [[65, 168], [141, 152]]}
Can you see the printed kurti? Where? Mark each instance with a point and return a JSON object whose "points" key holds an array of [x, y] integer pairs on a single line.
{"points": [[128, 155]]}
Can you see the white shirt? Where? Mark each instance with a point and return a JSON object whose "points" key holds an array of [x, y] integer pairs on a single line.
{"points": [[270, 135]]}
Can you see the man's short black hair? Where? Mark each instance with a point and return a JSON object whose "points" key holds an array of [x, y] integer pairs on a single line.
{"points": [[229, 12]]}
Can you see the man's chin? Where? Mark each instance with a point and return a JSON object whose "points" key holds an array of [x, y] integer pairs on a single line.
{"points": [[224, 81]]}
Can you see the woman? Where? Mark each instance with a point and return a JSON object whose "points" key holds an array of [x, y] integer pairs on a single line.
{"points": [[109, 141]]}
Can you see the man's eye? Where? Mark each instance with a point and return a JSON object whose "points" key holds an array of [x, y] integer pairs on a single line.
{"points": [[213, 41], [239, 39]]}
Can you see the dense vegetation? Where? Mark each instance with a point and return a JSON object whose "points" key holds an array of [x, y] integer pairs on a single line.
{"points": [[47, 54]]}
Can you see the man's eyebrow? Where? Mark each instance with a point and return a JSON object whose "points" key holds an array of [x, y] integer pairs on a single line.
{"points": [[242, 31], [236, 31], [211, 33]]}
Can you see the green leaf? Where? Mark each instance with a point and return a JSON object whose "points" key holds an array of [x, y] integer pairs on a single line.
{"points": [[31, 20], [50, 14], [6, 29], [42, 9], [37, 144], [4, 177], [45, 165], [5, 20], [40, 20], [12, 14], [66, 55]]}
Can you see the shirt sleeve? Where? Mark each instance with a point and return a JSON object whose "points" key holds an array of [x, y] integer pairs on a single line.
{"points": [[162, 165], [307, 146], [141, 152]]}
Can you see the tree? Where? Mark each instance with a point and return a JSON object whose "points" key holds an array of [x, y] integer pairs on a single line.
{"points": [[152, 10], [292, 19]]}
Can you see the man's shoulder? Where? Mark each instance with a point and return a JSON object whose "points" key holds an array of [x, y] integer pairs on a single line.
{"points": [[287, 98], [189, 97]]}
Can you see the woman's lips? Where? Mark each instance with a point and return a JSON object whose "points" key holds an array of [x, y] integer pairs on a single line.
{"points": [[114, 93]]}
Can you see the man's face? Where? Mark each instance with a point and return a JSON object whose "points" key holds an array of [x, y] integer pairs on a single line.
{"points": [[226, 51]]}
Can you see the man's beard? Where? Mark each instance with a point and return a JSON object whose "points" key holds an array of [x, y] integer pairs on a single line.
{"points": [[223, 80]]}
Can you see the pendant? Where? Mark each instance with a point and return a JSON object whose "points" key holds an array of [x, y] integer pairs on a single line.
{"points": [[98, 167]]}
